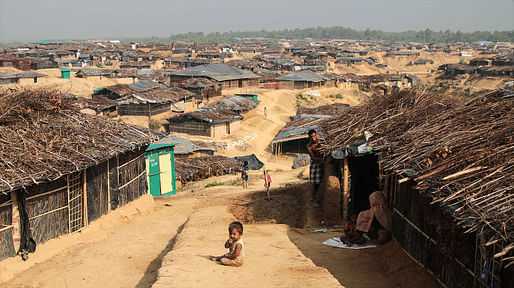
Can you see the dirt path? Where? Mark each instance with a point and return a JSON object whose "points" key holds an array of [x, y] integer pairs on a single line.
{"points": [[123, 249], [271, 259], [127, 247]]}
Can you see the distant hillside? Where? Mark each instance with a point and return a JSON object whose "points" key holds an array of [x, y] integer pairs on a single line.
{"points": [[339, 32]]}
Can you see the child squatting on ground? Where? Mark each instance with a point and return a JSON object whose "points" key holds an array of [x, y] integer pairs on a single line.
{"points": [[235, 246]]}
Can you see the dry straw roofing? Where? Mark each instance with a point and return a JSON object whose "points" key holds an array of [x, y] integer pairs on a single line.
{"points": [[462, 154], [43, 137], [193, 169]]}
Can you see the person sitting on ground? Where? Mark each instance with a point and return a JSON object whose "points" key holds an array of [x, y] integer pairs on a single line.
{"points": [[244, 174], [376, 222], [350, 234], [235, 246]]}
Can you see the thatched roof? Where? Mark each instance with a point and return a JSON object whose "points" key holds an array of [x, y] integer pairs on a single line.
{"points": [[43, 137], [193, 169], [462, 153], [219, 72], [306, 75], [119, 89], [97, 103], [210, 116], [159, 95], [329, 109]]}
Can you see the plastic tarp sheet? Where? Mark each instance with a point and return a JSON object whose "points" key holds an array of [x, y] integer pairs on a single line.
{"points": [[301, 160], [253, 162], [336, 242], [177, 106]]}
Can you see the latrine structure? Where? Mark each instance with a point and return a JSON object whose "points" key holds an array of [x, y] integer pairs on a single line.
{"points": [[71, 169], [446, 183]]}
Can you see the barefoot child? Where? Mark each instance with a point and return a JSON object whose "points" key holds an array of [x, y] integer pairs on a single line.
{"points": [[244, 174], [235, 246], [267, 182]]}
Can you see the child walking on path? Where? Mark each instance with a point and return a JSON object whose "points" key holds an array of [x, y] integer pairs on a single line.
{"points": [[244, 174], [235, 246], [267, 182]]}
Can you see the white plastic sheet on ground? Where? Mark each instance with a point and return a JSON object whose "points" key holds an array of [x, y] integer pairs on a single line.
{"points": [[312, 93], [336, 242]]}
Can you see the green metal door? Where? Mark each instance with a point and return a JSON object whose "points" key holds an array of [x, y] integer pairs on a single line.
{"points": [[154, 175]]}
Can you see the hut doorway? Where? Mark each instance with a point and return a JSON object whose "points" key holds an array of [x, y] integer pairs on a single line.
{"points": [[364, 181], [160, 162]]}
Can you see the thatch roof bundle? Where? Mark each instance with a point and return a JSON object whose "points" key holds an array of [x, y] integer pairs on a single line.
{"points": [[192, 169], [461, 152], [43, 137]]}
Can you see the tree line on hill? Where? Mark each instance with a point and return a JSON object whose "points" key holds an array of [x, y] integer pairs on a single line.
{"points": [[338, 32]]}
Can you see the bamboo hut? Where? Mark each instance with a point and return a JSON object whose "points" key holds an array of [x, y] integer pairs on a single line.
{"points": [[448, 185], [61, 169], [206, 123]]}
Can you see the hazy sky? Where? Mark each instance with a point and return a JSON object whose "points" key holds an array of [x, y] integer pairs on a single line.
{"points": [[28, 20]]}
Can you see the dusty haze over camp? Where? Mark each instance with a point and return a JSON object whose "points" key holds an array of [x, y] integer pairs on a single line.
{"points": [[30, 20]]}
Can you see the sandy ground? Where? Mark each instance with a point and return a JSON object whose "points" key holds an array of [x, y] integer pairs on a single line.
{"points": [[165, 242], [284, 265]]}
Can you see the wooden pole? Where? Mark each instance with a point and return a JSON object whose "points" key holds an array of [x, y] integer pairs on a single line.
{"points": [[68, 192], [387, 191], [346, 188], [84, 193], [108, 188]]}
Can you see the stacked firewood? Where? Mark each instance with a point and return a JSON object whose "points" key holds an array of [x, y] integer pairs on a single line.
{"points": [[193, 169]]}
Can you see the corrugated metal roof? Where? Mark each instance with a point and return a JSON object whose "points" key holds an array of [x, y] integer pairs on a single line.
{"points": [[185, 146], [214, 116], [305, 75], [218, 72], [171, 95], [145, 85]]}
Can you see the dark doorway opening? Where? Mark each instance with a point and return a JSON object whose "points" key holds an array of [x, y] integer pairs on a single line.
{"points": [[364, 181]]}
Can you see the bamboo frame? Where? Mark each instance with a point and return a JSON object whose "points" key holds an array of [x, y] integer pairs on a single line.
{"points": [[7, 227], [8, 203], [84, 199], [346, 187], [49, 212], [68, 194], [46, 193], [132, 180], [130, 161], [414, 226], [108, 187]]}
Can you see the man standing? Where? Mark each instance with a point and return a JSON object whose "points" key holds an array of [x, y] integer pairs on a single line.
{"points": [[316, 167]]}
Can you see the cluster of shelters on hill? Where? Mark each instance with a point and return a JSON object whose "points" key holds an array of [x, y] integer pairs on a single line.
{"points": [[143, 98], [62, 169], [262, 62], [500, 65], [219, 118], [445, 166]]}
